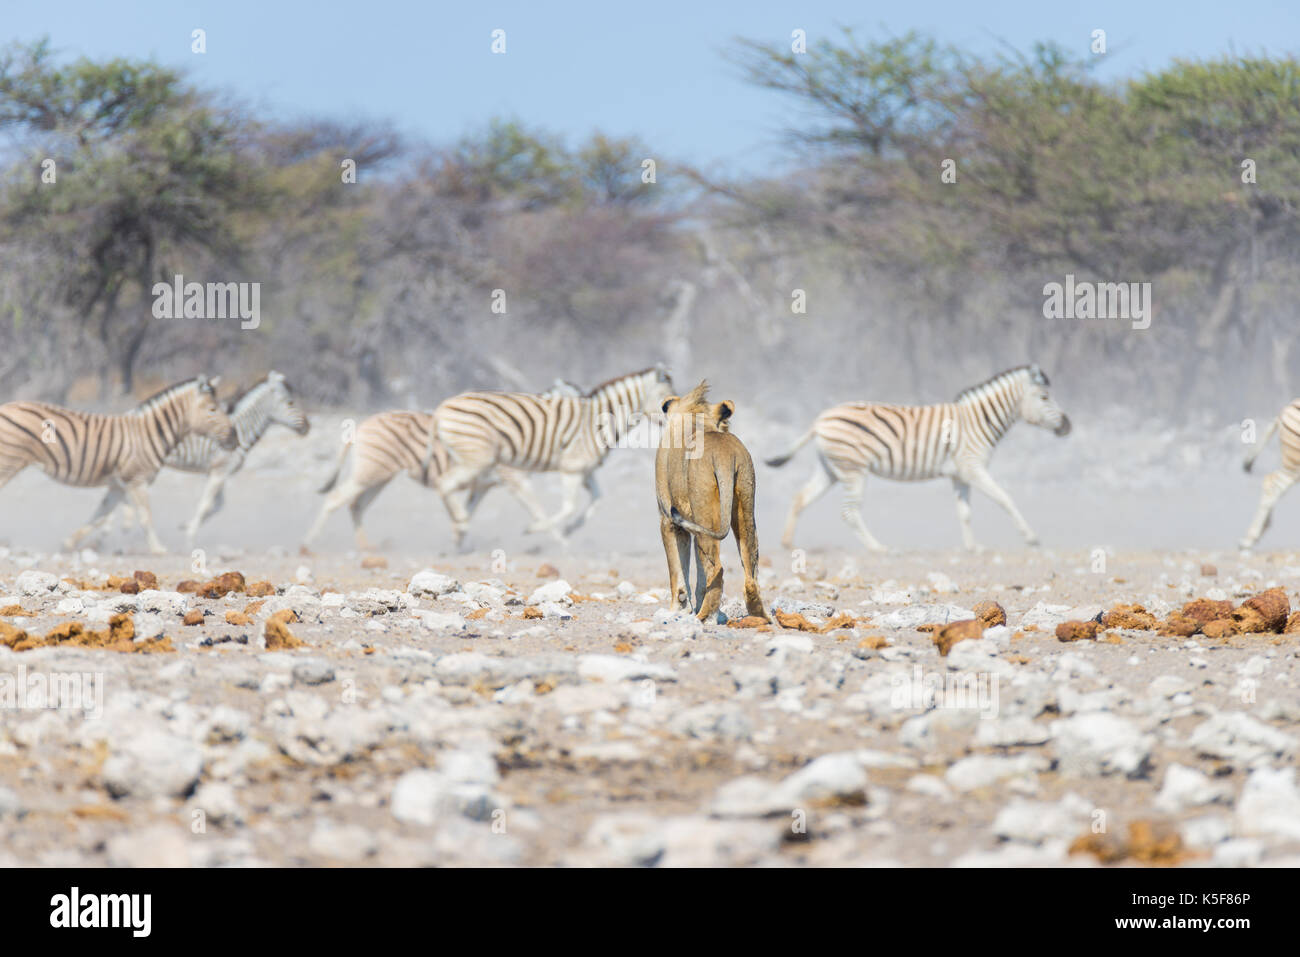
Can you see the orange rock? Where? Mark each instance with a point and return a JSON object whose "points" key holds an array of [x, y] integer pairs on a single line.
{"points": [[874, 642], [278, 635], [374, 561], [547, 570], [1219, 628], [129, 587], [990, 613], [1077, 630], [260, 590], [795, 621], [1207, 609], [1267, 611], [1179, 625], [1292, 623], [188, 585], [749, 621], [949, 635], [1129, 616], [842, 620], [16, 611], [193, 617], [223, 585], [532, 611], [146, 579], [1209, 571], [237, 618]]}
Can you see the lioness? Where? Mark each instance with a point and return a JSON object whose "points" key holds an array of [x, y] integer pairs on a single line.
{"points": [[704, 480]]}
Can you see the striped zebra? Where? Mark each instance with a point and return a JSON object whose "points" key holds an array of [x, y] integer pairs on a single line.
{"points": [[268, 402], [1277, 482], [531, 433], [386, 444], [915, 442], [124, 452]]}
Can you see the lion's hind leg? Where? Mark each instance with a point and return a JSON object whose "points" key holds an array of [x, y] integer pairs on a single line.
{"points": [[742, 526], [677, 549]]}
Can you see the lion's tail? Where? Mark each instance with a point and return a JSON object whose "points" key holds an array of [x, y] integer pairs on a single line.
{"points": [[780, 460]]}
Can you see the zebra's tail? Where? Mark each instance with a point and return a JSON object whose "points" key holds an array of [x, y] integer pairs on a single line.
{"points": [[338, 468], [1259, 446], [780, 460]]}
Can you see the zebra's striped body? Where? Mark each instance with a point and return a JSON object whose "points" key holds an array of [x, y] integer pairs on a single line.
{"points": [[1276, 482], [913, 443], [124, 452], [571, 435], [269, 402], [388, 444]]}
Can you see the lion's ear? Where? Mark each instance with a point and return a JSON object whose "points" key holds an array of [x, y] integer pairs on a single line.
{"points": [[724, 409], [669, 401]]}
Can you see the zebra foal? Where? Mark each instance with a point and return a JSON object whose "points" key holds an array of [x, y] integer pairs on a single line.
{"points": [[1277, 482], [268, 402]]}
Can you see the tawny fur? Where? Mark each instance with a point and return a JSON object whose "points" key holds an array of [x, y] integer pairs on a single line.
{"points": [[704, 482]]}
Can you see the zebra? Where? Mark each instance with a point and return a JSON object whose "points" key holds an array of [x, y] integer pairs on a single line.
{"points": [[124, 452], [916, 442], [531, 433], [1277, 482], [268, 402], [386, 444]]}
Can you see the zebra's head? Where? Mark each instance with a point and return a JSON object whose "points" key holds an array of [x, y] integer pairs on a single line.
{"points": [[659, 388], [1037, 407], [284, 408], [206, 416]]}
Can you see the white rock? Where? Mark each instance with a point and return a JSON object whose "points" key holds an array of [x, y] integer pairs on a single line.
{"points": [[1186, 787], [1100, 743], [621, 668], [1236, 736], [348, 843], [982, 770], [556, 591], [431, 584], [33, 582], [1270, 804], [439, 620], [151, 764], [1037, 821]]}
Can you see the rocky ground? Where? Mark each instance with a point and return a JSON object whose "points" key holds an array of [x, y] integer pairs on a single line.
{"points": [[549, 709]]}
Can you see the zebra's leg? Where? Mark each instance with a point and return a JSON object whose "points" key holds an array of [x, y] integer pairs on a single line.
{"points": [[1275, 483], [812, 490], [457, 477], [981, 479], [209, 503], [962, 490], [571, 483], [589, 482], [480, 488], [852, 512], [112, 498], [139, 496], [342, 494], [517, 482], [358, 507], [677, 549]]}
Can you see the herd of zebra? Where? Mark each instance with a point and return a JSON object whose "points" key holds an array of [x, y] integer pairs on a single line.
{"points": [[477, 440]]}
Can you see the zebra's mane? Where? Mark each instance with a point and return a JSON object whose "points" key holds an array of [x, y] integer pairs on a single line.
{"points": [[165, 393], [617, 379], [1035, 375], [233, 402]]}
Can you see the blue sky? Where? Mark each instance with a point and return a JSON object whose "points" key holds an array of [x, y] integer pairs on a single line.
{"points": [[652, 69]]}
